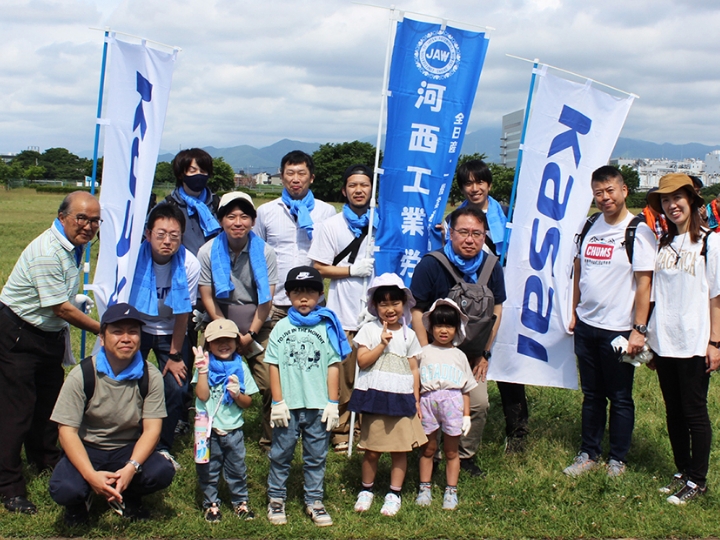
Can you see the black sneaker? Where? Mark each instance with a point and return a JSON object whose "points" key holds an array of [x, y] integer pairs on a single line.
{"points": [[212, 513], [20, 504], [689, 492], [677, 483], [469, 466], [76, 515], [515, 445], [135, 511]]}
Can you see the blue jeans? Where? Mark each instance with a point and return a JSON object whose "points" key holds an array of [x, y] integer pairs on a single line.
{"points": [[604, 378], [315, 441], [174, 394], [227, 452]]}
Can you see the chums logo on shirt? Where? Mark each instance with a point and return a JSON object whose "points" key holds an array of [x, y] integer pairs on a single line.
{"points": [[599, 252]]}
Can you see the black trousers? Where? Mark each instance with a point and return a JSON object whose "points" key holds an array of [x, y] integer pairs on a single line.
{"points": [[515, 409], [684, 386], [31, 376]]}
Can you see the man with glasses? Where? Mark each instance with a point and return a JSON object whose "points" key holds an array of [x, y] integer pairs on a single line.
{"points": [[163, 291], [431, 280], [37, 303]]}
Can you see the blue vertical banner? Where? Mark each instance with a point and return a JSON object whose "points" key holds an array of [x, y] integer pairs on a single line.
{"points": [[433, 78]]}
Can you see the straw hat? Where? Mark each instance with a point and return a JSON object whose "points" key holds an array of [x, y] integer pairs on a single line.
{"points": [[670, 183]]}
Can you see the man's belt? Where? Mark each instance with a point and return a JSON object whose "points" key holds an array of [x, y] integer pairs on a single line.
{"points": [[10, 314]]}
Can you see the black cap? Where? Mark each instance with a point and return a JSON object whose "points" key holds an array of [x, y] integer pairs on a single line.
{"points": [[304, 277], [121, 312], [357, 169]]}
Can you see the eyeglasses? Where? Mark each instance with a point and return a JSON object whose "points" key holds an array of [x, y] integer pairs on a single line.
{"points": [[161, 235], [464, 233], [82, 220]]}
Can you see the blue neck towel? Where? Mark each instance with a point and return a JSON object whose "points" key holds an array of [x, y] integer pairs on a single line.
{"points": [[496, 223], [208, 223], [77, 250], [222, 266], [355, 222], [220, 370], [132, 372], [468, 267], [301, 210], [143, 295], [335, 331]]}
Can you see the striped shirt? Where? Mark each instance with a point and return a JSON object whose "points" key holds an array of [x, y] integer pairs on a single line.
{"points": [[278, 228], [44, 276]]}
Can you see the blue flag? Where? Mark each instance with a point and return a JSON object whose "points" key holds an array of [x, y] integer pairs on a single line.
{"points": [[433, 78]]}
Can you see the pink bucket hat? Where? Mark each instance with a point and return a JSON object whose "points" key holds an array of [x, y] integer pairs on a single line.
{"points": [[389, 280], [460, 334]]}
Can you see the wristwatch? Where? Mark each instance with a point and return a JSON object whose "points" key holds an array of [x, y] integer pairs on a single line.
{"points": [[487, 355], [176, 357], [135, 464], [253, 335], [715, 344], [640, 328]]}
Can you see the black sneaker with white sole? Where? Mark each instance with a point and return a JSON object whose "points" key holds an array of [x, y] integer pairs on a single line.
{"points": [[689, 492]]}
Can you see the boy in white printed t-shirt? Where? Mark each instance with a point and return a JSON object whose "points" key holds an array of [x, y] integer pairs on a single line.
{"points": [[611, 298]]}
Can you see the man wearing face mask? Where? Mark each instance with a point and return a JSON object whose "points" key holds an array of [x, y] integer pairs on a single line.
{"points": [[192, 169]]}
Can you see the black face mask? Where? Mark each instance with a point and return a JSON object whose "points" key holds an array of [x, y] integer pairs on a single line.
{"points": [[196, 182]]}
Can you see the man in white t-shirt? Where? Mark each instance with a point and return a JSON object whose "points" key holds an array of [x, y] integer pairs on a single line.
{"points": [[288, 224], [611, 298], [164, 289], [340, 253]]}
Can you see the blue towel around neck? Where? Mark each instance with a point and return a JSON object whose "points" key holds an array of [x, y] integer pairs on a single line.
{"points": [[496, 223], [143, 295], [77, 250], [132, 372], [220, 370], [208, 223], [468, 267], [222, 266], [301, 208], [355, 222], [335, 331]]}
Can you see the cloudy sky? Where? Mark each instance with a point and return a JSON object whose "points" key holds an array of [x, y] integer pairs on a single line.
{"points": [[253, 72]]}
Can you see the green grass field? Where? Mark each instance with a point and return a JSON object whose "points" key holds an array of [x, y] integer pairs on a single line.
{"points": [[524, 496]]}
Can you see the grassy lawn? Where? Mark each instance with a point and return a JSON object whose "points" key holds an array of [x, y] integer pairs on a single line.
{"points": [[524, 496]]}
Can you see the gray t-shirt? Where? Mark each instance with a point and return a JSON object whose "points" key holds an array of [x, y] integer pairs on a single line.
{"points": [[114, 414], [241, 273]]}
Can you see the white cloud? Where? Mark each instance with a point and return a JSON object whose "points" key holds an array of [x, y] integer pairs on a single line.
{"points": [[254, 73]]}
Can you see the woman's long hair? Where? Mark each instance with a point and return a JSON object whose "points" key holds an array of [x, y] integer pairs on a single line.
{"points": [[694, 227]]}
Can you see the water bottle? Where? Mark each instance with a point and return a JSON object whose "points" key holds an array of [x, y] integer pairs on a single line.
{"points": [[202, 437]]}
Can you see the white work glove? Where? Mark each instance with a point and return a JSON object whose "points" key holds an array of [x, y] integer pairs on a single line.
{"points": [[83, 302], [279, 414], [202, 360], [465, 426], [365, 317], [201, 320], [362, 268], [233, 386], [331, 415]]}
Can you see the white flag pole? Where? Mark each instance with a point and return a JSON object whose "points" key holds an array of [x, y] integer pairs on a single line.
{"points": [[395, 15]]}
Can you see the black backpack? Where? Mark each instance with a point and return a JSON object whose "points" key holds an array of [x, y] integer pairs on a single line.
{"points": [[476, 300], [89, 376], [630, 232]]}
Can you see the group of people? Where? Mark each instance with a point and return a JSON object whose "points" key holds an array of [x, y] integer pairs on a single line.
{"points": [[252, 280]]}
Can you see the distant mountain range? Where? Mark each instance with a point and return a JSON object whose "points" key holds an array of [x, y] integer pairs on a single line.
{"points": [[485, 140]]}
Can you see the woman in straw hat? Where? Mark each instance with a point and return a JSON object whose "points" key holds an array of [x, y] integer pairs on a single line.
{"points": [[684, 334]]}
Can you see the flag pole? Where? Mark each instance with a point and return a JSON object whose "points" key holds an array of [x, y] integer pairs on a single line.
{"points": [[508, 226], [86, 266], [376, 169]]}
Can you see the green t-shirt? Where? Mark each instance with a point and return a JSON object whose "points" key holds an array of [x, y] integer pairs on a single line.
{"points": [[303, 355], [228, 416]]}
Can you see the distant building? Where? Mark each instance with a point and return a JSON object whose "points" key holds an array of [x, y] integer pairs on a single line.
{"points": [[651, 170], [510, 140], [712, 163], [7, 158]]}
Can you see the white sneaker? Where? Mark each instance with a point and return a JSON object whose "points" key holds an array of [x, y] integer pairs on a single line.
{"points": [[581, 465], [391, 506], [364, 501], [167, 455]]}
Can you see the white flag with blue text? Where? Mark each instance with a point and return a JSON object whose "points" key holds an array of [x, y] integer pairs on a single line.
{"points": [[572, 130], [138, 87]]}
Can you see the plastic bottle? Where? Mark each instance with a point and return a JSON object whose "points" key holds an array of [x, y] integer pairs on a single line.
{"points": [[202, 437]]}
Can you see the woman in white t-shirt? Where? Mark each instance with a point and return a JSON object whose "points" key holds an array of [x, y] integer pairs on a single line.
{"points": [[683, 333]]}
